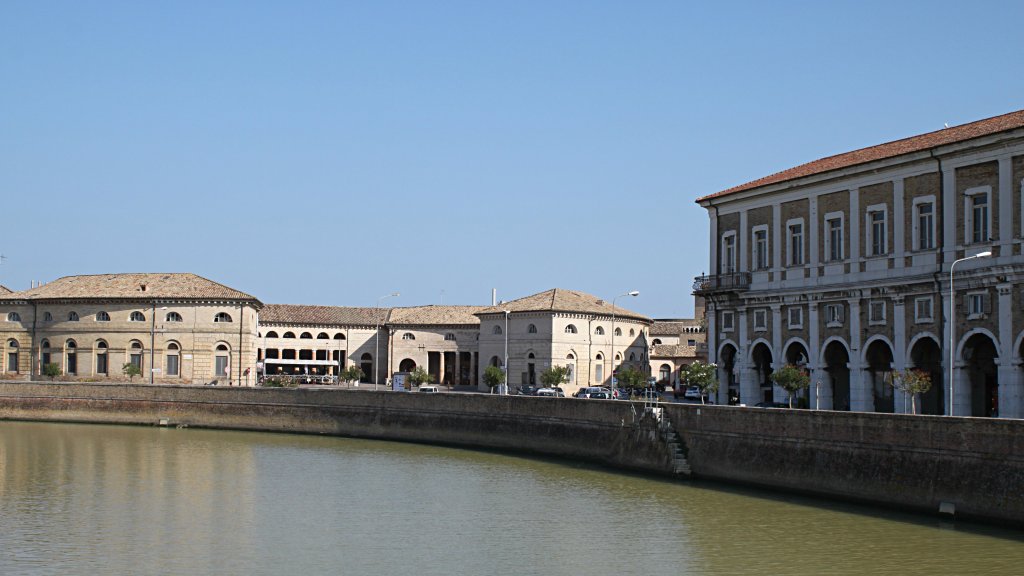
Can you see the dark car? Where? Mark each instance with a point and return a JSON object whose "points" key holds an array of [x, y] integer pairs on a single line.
{"points": [[771, 405]]}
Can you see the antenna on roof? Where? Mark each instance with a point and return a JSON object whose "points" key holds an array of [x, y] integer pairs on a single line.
{"points": [[945, 124], [442, 296]]}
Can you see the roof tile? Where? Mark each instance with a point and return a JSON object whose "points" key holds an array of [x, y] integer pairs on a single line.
{"points": [[561, 300], [143, 286]]}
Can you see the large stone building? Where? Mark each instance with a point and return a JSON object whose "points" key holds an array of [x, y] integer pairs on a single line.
{"points": [[193, 330], [842, 266]]}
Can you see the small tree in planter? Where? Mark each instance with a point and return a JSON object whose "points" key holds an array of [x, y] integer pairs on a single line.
{"points": [[418, 377], [554, 376], [494, 377], [131, 371], [791, 379], [912, 382], [631, 379], [51, 370], [351, 374], [703, 376]]}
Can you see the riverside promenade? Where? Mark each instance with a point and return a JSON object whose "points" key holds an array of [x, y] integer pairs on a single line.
{"points": [[971, 468]]}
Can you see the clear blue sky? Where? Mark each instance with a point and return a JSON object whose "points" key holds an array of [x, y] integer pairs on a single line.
{"points": [[333, 152]]}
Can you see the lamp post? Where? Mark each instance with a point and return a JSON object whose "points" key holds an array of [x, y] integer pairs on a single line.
{"points": [[631, 293], [505, 365], [952, 321], [376, 343]]}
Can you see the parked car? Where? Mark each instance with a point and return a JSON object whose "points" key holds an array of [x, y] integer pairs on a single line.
{"points": [[602, 395], [428, 389], [526, 390], [771, 405], [693, 393], [589, 392], [551, 392]]}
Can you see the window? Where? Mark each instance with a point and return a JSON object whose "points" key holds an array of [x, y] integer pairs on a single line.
{"points": [[631, 333], [411, 336], [599, 331], [727, 321], [975, 305], [13, 317], [496, 330], [923, 311], [12, 356], [618, 331], [306, 336], [834, 237], [877, 241], [223, 317], [72, 316], [691, 342], [101, 357], [339, 336], [924, 223], [135, 354], [876, 312], [173, 364], [978, 217], [270, 334], [796, 317], [834, 315], [760, 248], [656, 341], [137, 317], [664, 373], [531, 329], [760, 320], [71, 362], [320, 336], [175, 317], [728, 252], [570, 329], [47, 317], [796, 242], [220, 361], [632, 356], [449, 337], [102, 317], [289, 335]]}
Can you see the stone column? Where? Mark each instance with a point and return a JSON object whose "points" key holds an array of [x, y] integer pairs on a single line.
{"points": [[1005, 214], [962, 390], [898, 224], [822, 394], [862, 398], [855, 219], [750, 385], [901, 402], [440, 366], [778, 361], [1008, 372], [741, 359], [457, 377], [1011, 396], [949, 210]]}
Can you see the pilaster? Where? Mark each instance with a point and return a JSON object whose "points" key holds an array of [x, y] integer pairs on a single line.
{"points": [[899, 224]]}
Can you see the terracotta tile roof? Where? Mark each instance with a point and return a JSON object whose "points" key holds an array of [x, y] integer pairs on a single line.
{"points": [[561, 300], [673, 351], [5, 289], [145, 286], [672, 327], [1003, 123], [435, 315], [322, 315]]}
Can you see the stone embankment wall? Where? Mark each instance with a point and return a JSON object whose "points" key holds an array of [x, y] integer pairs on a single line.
{"points": [[971, 465]]}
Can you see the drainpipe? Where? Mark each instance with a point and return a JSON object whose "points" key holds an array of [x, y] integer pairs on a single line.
{"points": [[943, 321], [152, 343], [241, 320], [32, 348]]}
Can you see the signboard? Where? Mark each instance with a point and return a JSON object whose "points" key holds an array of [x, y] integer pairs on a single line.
{"points": [[398, 381], [156, 370], [187, 356]]}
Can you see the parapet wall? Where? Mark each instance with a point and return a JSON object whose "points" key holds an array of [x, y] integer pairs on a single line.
{"points": [[975, 465]]}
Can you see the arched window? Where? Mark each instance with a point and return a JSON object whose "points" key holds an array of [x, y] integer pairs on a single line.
{"points": [[137, 317], [632, 356], [13, 317], [339, 336], [656, 341], [323, 336], [407, 365], [449, 336], [173, 363], [570, 329], [497, 329], [289, 335], [71, 360], [101, 357], [570, 364], [631, 332], [70, 344], [599, 331], [44, 352], [12, 356], [408, 336], [664, 373], [530, 356], [495, 361], [102, 316], [306, 335], [222, 317], [531, 329], [271, 334], [173, 317], [72, 316], [47, 317], [618, 331], [220, 361], [135, 354]]}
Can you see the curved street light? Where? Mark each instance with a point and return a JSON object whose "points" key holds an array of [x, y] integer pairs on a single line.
{"points": [[630, 293], [952, 321]]}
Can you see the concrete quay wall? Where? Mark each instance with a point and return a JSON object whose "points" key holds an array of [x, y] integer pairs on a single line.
{"points": [[922, 463]]}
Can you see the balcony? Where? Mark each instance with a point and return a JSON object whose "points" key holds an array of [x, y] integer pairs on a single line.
{"points": [[735, 282]]}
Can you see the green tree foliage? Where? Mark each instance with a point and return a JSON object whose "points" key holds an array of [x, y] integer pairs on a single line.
{"points": [[494, 376], [703, 376], [631, 378], [51, 370], [419, 376], [791, 379], [912, 382], [352, 374], [554, 376], [131, 371]]}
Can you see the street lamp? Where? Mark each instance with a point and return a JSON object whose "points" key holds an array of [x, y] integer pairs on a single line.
{"points": [[505, 366], [376, 343], [952, 320], [631, 293]]}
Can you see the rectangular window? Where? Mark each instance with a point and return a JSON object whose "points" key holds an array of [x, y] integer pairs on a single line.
{"points": [[979, 218], [729, 253], [876, 225], [796, 317], [136, 359], [727, 321], [101, 363], [834, 315], [976, 305], [761, 249], [691, 342], [12, 362], [796, 244], [923, 312], [172, 365], [834, 238], [760, 320], [876, 312], [925, 226], [220, 366]]}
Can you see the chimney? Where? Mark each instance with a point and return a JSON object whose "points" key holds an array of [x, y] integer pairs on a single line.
{"points": [[494, 296]]}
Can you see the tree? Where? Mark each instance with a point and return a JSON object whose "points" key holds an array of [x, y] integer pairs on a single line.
{"points": [[791, 379], [631, 378], [911, 382], [554, 376], [51, 370], [419, 376], [131, 370], [703, 376], [352, 374], [494, 376]]}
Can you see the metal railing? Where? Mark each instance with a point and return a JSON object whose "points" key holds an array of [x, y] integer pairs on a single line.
{"points": [[721, 283]]}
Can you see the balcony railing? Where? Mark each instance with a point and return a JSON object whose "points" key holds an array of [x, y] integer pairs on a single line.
{"points": [[734, 282]]}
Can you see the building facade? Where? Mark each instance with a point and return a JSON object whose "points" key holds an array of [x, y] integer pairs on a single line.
{"points": [[842, 266]]}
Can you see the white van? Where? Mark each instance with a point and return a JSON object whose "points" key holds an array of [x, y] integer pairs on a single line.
{"points": [[430, 389]]}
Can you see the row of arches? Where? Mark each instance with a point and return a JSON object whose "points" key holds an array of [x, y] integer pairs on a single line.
{"points": [[306, 335], [104, 316]]}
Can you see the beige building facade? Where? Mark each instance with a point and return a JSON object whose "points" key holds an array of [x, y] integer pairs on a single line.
{"points": [[842, 266]]}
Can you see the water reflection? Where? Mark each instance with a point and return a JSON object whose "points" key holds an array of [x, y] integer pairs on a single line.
{"points": [[117, 500]]}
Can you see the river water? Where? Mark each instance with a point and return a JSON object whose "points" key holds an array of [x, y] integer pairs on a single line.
{"points": [[83, 499]]}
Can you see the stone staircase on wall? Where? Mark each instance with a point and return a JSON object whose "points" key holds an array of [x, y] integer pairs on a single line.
{"points": [[667, 432]]}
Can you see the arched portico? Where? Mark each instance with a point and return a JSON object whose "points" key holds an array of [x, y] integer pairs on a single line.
{"points": [[976, 378], [878, 361], [726, 370], [834, 388], [926, 354], [795, 353], [760, 387]]}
